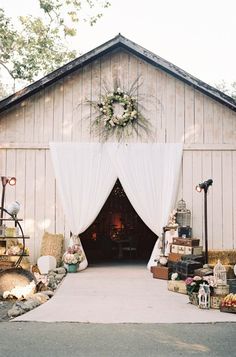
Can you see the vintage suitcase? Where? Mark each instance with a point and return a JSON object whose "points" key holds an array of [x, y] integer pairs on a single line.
{"points": [[186, 268], [197, 258], [161, 272], [185, 231], [178, 286], [203, 272], [182, 249], [190, 242], [174, 257], [173, 266], [232, 285]]}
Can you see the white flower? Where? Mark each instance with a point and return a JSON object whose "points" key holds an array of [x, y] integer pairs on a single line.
{"points": [[174, 276]]}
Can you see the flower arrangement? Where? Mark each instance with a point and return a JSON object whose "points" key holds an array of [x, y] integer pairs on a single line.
{"points": [[193, 284], [119, 115], [73, 255], [16, 248]]}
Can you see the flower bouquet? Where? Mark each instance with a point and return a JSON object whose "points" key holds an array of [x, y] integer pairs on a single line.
{"points": [[72, 257], [193, 285]]}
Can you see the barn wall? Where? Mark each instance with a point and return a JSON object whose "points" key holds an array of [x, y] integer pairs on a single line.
{"points": [[178, 113]]}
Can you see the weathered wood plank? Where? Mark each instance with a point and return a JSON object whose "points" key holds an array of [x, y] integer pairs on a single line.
{"points": [[67, 122], [189, 115], [170, 110], [198, 116], [179, 112], [227, 183], [208, 121], [29, 209], [58, 111], [207, 174], [216, 192], [197, 217]]}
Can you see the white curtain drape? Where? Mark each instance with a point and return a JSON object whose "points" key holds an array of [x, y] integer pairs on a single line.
{"points": [[85, 178], [149, 174]]}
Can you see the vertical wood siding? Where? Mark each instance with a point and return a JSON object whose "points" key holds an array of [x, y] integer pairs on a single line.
{"points": [[177, 112]]}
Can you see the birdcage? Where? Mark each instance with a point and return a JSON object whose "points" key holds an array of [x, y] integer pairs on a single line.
{"points": [[183, 215], [220, 274]]}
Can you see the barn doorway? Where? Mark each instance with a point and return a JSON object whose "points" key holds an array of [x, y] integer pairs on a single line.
{"points": [[118, 234]]}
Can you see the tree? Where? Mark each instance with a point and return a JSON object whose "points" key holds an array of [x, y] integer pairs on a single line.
{"points": [[38, 45], [227, 89]]}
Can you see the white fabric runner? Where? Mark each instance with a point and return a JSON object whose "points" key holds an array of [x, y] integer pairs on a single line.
{"points": [[86, 174]]}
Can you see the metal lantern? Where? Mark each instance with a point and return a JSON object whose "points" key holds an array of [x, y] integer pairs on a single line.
{"points": [[220, 274], [183, 215], [204, 301]]}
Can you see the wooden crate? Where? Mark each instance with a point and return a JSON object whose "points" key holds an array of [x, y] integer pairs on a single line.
{"points": [[160, 272], [216, 301], [178, 286]]}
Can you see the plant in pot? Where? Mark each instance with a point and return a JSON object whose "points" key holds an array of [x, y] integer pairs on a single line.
{"points": [[72, 257]]}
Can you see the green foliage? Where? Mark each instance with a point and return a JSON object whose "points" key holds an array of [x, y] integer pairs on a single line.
{"points": [[39, 45], [227, 89]]}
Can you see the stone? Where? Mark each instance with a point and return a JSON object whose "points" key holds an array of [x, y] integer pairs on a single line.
{"points": [[60, 270], [40, 297], [49, 293], [59, 276]]}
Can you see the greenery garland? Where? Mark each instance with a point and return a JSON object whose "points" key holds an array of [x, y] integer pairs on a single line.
{"points": [[118, 116]]}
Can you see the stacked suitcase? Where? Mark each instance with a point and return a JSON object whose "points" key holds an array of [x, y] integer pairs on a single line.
{"points": [[185, 256]]}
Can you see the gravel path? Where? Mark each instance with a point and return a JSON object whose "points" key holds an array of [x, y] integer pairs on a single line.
{"points": [[5, 305]]}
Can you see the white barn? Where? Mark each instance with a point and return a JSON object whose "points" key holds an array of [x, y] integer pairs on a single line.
{"points": [[181, 109]]}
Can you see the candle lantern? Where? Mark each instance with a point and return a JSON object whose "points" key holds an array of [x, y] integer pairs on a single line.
{"points": [[204, 301], [220, 274], [183, 215]]}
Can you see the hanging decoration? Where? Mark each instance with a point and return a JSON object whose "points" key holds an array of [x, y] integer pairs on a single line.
{"points": [[119, 115]]}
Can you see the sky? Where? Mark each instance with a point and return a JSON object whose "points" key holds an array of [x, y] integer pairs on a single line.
{"points": [[198, 36]]}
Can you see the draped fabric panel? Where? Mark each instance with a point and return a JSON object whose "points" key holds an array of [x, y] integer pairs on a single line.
{"points": [[149, 174], [85, 178], [86, 174]]}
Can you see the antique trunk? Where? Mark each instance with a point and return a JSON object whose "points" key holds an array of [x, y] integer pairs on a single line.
{"points": [[190, 242], [186, 268], [197, 258], [203, 272], [161, 272], [221, 290], [174, 257], [178, 286], [173, 266], [232, 285]]}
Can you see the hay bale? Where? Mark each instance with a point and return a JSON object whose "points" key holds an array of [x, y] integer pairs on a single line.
{"points": [[52, 244], [227, 257]]}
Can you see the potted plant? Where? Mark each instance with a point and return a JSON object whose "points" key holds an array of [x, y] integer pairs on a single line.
{"points": [[72, 257]]}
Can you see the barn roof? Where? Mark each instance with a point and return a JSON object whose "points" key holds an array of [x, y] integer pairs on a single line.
{"points": [[116, 43]]}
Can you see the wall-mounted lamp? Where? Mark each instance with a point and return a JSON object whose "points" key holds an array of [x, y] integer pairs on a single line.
{"points": [[204, 186], [5, 180]]}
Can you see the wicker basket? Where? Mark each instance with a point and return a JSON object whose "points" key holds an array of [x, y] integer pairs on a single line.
{"points": [[230, 309], [193, 298]]}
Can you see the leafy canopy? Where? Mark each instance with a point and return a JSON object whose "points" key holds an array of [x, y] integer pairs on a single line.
{"points": [[38, 45]]}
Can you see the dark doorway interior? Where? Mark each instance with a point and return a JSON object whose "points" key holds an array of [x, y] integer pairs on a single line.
{"points": [[118, 233]]}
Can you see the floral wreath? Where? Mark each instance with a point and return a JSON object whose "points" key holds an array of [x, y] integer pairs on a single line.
{"points": [[118, 115]]}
